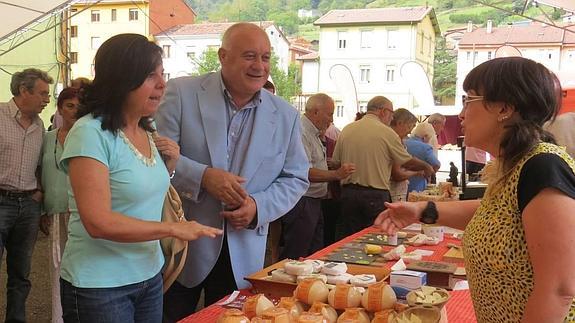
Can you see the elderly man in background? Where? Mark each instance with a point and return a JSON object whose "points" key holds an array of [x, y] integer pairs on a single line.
{"points": [[242, 166], [302, 226], [437, 121], [21, 133], [374, 148]]}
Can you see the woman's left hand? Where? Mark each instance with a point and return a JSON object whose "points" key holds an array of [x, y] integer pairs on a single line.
{"points": [[169, 150]]}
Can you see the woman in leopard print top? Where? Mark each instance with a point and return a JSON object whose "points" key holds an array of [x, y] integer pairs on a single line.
{"points": [[519, 243]]}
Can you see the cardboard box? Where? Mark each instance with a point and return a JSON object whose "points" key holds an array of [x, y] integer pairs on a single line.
{"points": [[274, 289], [438, 273], [408, 279]]}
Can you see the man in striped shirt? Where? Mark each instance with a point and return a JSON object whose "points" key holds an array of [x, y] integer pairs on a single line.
{"points": [[21, 132]]}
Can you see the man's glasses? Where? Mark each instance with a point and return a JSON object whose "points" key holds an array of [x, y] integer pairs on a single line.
{"points": [[465, 99]]}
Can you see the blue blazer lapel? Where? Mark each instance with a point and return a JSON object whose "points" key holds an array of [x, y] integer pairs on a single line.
{"points": [[262, 134], [213, 113]]}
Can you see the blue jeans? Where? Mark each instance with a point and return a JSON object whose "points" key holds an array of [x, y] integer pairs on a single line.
{"points": [[19, 222], [139, 302]]}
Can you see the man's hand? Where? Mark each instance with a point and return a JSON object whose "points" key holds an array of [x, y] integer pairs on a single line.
{"points": [[45, 223], [225, 186], [345, 170], [169, 150], [37, 196], [241, 217]]}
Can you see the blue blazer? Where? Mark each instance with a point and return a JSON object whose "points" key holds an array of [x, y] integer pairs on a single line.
{"points": [[193, 113]]}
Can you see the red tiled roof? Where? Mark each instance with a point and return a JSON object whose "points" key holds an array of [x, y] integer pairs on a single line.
{"points": [[568, 5], [207, 28], [308, 57], [570, 36], [377, 15], [514, 34]]}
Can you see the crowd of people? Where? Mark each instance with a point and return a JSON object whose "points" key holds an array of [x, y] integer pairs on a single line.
{"points": [[245, 163]]}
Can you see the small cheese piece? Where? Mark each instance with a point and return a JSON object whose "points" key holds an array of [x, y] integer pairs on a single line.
{"points": [[334, 268], [280, 275], [325, 310], [372, 249], [363, 280], [321, 277], [256, 305], [339, 279], [232, 316], [298, 268], [316, 264]]}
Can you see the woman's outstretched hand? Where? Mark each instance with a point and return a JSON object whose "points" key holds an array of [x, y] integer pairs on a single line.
{"points": [[398, 215]]}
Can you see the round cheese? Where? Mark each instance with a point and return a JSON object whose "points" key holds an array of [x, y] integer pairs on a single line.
{"points": [[363, 280], [280, 275], [232, 316], [334, 268], [344, 296], [256, 305], [298, 268], [311, 290], [355, 315], [378, 297], [325, 310], [339, 279], [276, 315]]}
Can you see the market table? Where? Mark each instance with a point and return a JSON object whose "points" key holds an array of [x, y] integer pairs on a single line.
{"points": [[459, 307]]}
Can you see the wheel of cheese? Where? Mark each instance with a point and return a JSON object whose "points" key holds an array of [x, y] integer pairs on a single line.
{"points": [[344, 296], [334, 268], [232, 316], [339, 279], [383, 316], [311, 290], [280, 275], [354, 315], [316, 264], [276, 315], [379, 296], [256, 305], [321, 277], [327, 311], [298, 268], [363, 280]]}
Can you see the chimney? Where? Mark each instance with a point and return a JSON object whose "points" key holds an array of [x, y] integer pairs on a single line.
{"points": [[469, 26], [489, 26]]}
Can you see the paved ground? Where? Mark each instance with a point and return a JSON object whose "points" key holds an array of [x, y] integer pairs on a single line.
{"points": [[39, 308]]}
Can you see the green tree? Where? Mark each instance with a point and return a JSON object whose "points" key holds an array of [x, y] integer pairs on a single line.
{"points": [[208, 62], [287, 85], [444, 74]]}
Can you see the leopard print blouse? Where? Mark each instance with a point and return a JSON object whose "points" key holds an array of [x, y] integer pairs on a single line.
{"points": [[496, 257]]}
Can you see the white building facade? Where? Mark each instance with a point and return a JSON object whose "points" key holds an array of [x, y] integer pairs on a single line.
{"points": [[371, 45], [184, 45], [550, 46]]}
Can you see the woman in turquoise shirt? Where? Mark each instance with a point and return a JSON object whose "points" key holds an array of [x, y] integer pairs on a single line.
{"points": [[55, 184], [119, 177]]}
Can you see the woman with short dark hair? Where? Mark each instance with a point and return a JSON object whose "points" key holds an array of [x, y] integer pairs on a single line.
{"points": [[518, 241], [119, 176]]}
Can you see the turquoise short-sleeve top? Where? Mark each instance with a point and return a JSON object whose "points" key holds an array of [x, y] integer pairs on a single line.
{"points": [[137, 190], [54, 179]]}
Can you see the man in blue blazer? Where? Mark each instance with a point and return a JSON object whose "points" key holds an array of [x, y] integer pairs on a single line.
{"points": [[242, 166]]}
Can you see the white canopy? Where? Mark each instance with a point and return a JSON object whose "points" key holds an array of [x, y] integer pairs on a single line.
{"points": [[17, 14]]}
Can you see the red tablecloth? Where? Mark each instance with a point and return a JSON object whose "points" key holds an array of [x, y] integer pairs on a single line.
{"points": [[459, 307]]}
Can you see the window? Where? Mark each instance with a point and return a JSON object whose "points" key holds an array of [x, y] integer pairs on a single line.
{"points": [[114, 14], [96, 42], [341, 39], [95, 15], [191, 55], [73, 57], [166, 76], [364, 73], [166, 50], [366, 36], [133, 14], [73, 10], [475, 56], [571, 54], [468, 56], [421, 40], [73, 31], [362, 106], [339, 109], [392, 39], [390, 73], [489, 55]]}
